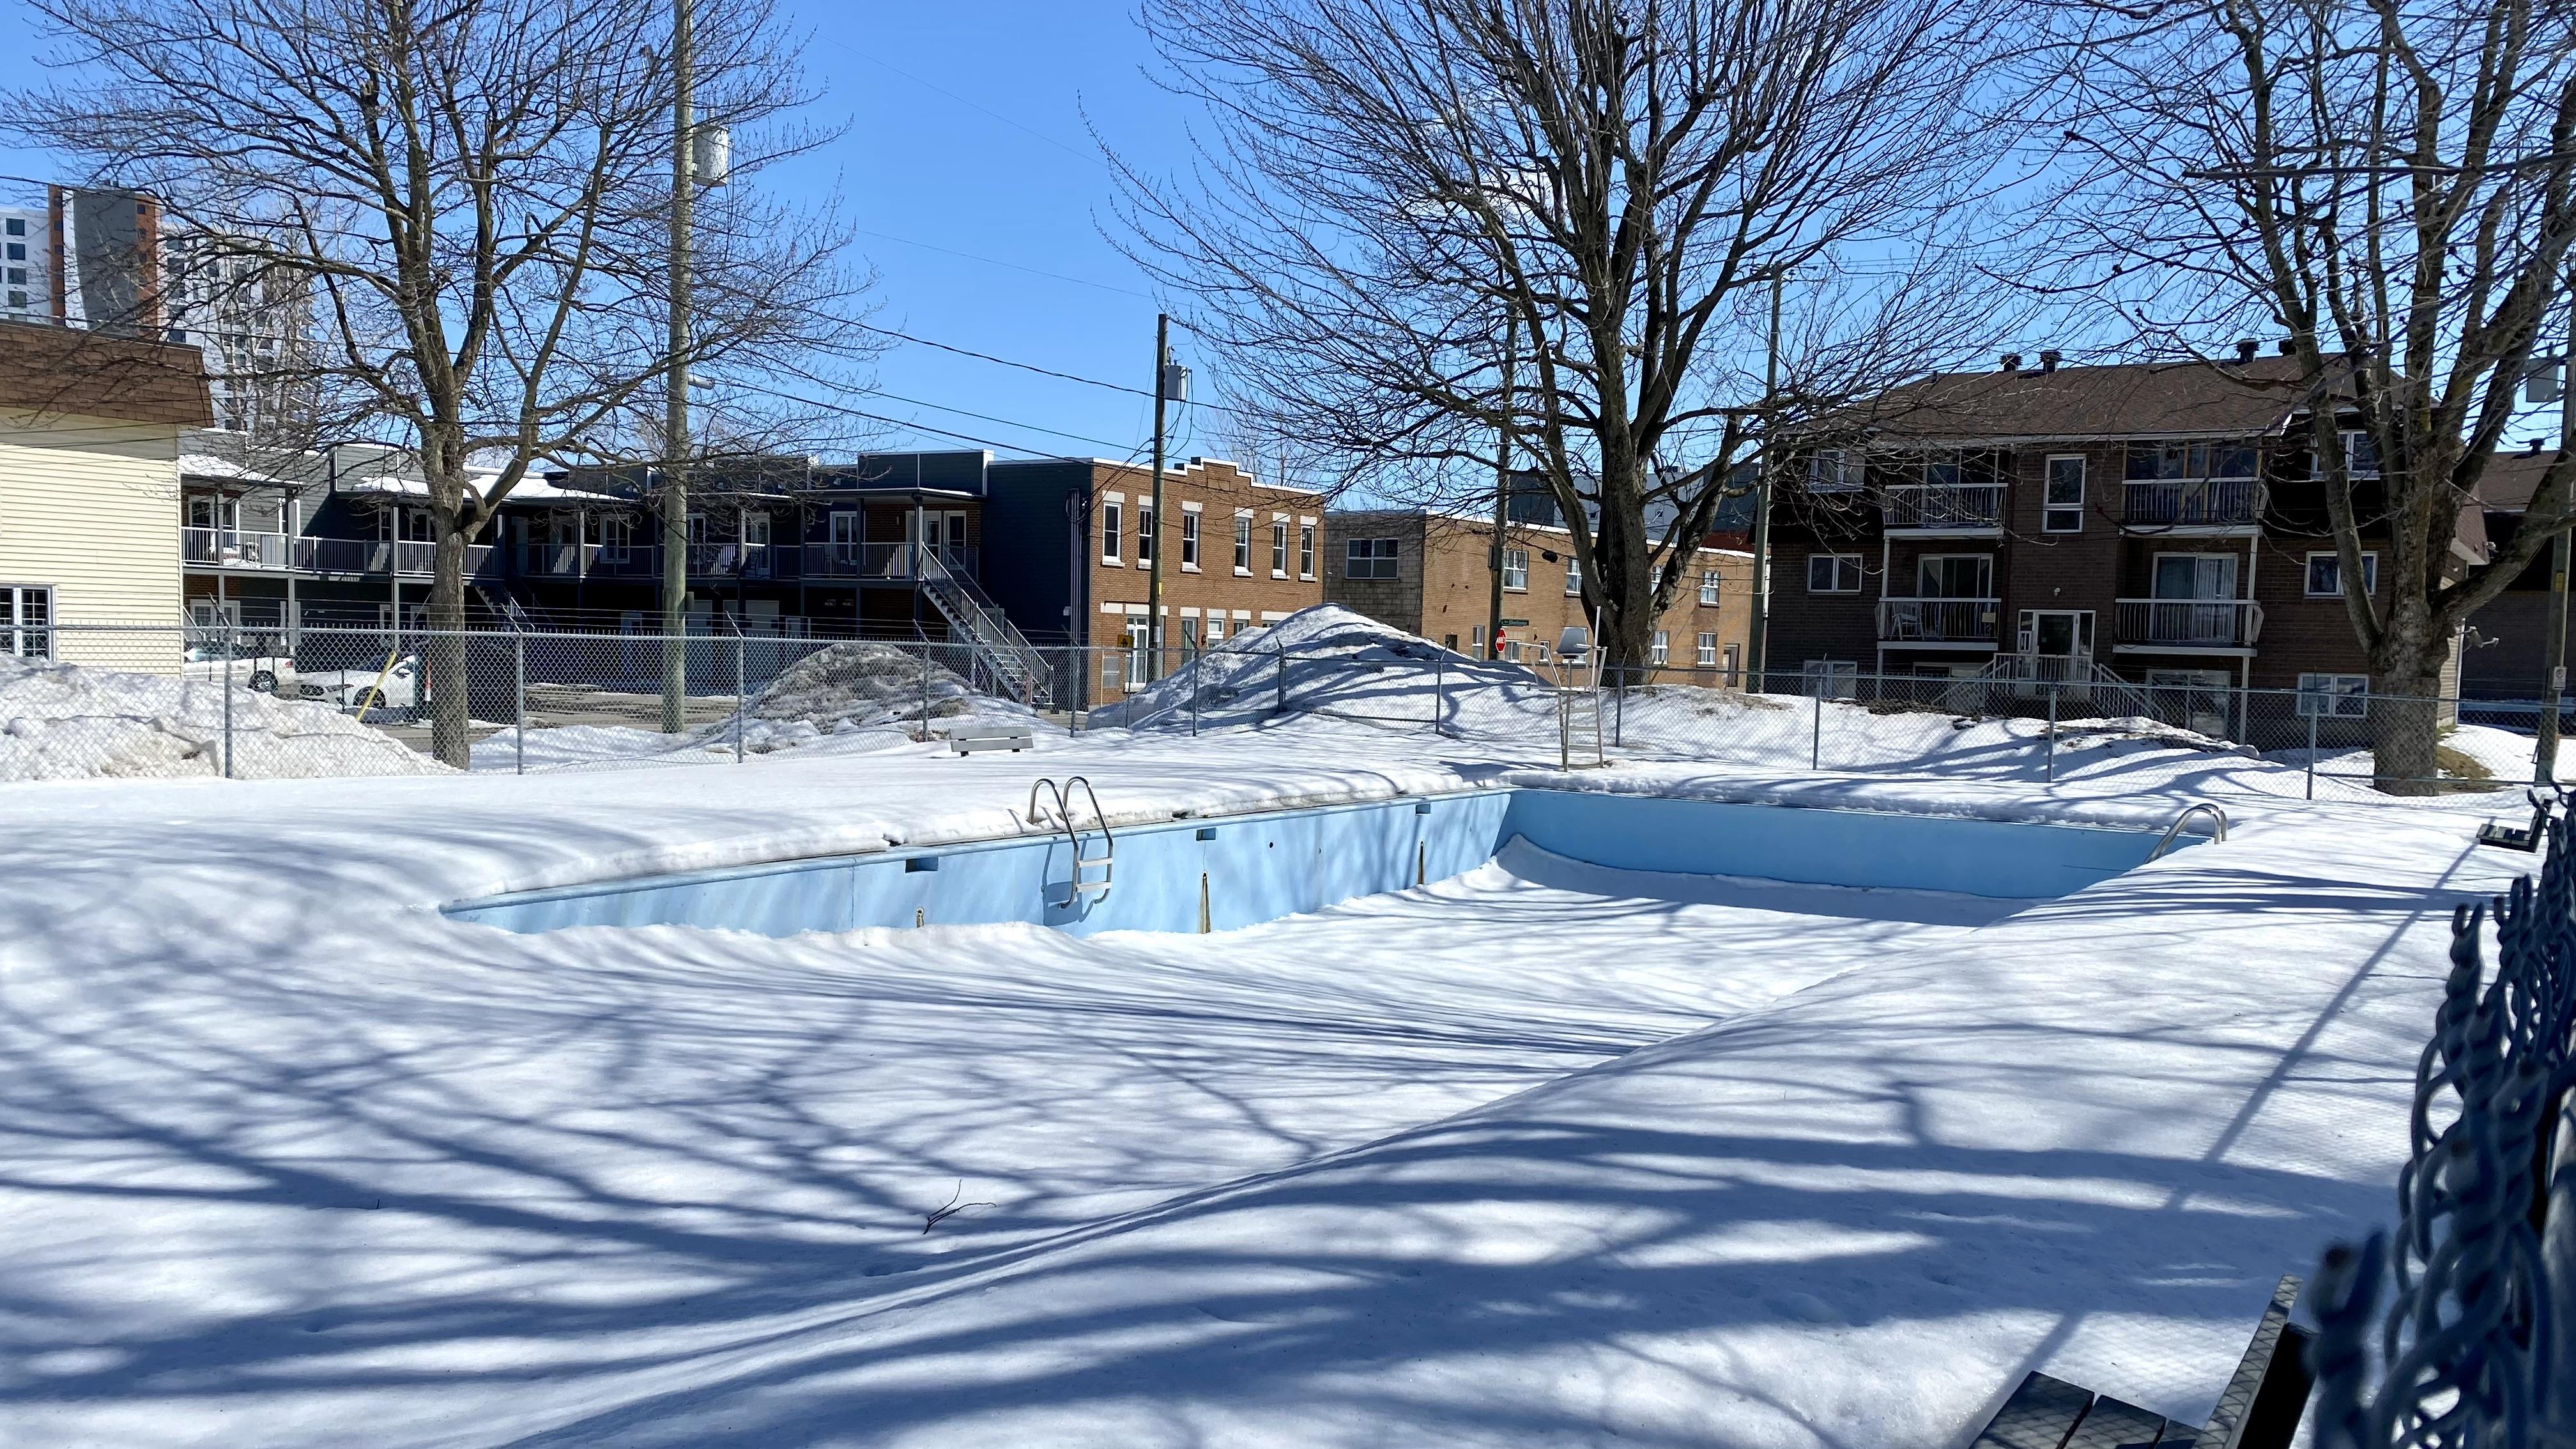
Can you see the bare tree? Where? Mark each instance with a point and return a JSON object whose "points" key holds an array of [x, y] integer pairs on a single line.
{"points": [[1389, 184], [476, 195], [2389, 186]]}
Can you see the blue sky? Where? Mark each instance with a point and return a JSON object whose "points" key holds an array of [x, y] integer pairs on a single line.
{"points": [[966, 134]]}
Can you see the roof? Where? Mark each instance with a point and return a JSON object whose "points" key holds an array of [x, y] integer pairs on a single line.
{"points": [[71, 372], [2511, 478], [2187, 399]]}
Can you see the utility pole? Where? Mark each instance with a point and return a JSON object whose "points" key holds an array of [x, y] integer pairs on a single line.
{"points": [[675, 406], [1760, 628], [1154, 560], [2544, 755], [1503, 490]]}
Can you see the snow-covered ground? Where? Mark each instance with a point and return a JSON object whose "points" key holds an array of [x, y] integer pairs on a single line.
{"points": [[64, 722], [1542, 1155]]}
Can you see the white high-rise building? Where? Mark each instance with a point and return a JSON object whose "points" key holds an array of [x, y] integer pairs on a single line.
{"points": [[26, 263], [253, 323]]}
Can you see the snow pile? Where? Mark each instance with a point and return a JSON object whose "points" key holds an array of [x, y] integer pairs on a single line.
{"points": [[855, 686], [1329, 660], [67, 722]]}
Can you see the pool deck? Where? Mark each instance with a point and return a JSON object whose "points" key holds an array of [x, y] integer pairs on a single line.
{"points": [[2084, 1139]]}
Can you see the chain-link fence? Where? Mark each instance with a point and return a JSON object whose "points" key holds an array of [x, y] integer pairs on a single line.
{"points": [[253, 703]]}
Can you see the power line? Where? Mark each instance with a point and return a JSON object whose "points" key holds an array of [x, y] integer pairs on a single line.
{"points": [[963, 101], [998, 262], [989, 418], [919, 427]]}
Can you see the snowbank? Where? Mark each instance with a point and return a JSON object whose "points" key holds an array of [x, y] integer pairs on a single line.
{"points": [[67, 722]]}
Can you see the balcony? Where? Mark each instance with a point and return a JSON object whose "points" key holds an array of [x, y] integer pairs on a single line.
{"points": [[1938, 621], [231, 548], [893, 562], [2189, 623], [2201, 506], [1944, 508], [227, 548]]}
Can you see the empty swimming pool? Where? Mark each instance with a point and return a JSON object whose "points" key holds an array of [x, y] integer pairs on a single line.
{"points": [[1240, 870]]}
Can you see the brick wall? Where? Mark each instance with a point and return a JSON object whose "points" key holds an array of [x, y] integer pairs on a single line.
{"points": [[1213, 588], [1444, 581]]}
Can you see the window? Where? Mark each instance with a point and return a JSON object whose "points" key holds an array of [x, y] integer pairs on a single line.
{"points": [[1661, 651], [1305, 550], [1833, 573], [2360, 456], [1370, 558], [2325, 575], [1955, 576], [1243, 543], [26, 620], [1833, 471], [1278, 549], [18, 276], [1476, 641], [17, 226], [17, 251], [1516, 569], [1189, 540], [1708, 593], [2150, 462], [2063, 511], [1215, 628], [2334, 696], [1706, 658], [1829, 679], [1573, 577], [1139, 641], [1146, 537], [17, 299], [1112, 523]]}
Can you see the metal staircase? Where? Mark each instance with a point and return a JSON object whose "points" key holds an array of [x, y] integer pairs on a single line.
{"points": [[2075, 677], [1009, 664], [1081, 883]]}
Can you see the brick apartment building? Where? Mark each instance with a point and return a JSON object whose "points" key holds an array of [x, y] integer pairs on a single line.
{"points": [[1068, 552], [1431, 574], [2504, 655], [2157, 521]]}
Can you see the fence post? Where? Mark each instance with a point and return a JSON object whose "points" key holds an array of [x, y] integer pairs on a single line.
{"points": [[2312, 754], [232, 653], [1197, 666], [924, 732], [519, 693], [741, 689], [1439, 692], [1816, 740], [2052, 732], [1279, 681]]}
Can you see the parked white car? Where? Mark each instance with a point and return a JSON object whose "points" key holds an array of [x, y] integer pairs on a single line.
{"points": [[267, 673], [351, 689]]}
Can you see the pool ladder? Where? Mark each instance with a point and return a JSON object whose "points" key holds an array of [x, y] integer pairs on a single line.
{"points": [[2197, 807], [1082, 883]]}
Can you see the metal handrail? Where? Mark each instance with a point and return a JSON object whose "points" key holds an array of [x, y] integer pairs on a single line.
{"points": [[2175, 829], [1076, 886]]}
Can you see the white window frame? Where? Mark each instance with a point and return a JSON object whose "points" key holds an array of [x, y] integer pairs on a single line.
{"points": [[1189, 538], [1278, 546], [27, 632], [1573, 577], [1834, 470], [2369, 573], [2334, 696], [1516, 571], [1660, 652], [1242, 544], [1113, 522], [1364, 558], [1147, 539], [1706, 657], [1711, 588], [1305, 548], [2056, 516], [1829, 679], [1835, 564]]}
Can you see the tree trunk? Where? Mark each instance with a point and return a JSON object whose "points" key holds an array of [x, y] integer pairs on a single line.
{"points": [[443, 652], [2405, 706]]}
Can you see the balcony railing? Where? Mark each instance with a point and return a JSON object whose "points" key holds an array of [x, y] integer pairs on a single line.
{"points": [[1946, 506], [1964, 621], [233, 548], [589, 560], [890, 561], [2195, 503], [2191, 623]]}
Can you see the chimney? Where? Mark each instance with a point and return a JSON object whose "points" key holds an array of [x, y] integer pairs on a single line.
{"points": [[2012, 362], [2246, 347], [2048, 360]]}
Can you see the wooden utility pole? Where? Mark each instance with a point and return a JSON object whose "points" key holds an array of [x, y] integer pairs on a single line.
{"points": [[1154, 567], [2553, 684], [675, 406], [1502, 490], [1755, 660]]}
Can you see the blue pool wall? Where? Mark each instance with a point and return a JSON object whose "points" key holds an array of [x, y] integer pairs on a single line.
{"points": [[1259, 867]]}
